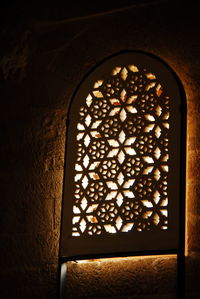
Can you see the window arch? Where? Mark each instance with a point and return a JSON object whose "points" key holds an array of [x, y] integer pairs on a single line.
{"points": [[123, 157]]}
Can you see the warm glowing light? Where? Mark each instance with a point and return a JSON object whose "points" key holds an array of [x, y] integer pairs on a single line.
{"points": [[125, 259], [117, 144], [150, 85], [97, 94], [124, 73], [188, 191], [133, 68], [63, 275], [98, 83], [116, 70]]}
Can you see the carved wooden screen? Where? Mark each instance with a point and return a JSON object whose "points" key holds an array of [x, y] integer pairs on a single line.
{"points": [[122, 177]]}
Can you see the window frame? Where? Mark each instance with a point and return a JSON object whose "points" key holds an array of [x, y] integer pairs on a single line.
{"points": [[137, 243]]}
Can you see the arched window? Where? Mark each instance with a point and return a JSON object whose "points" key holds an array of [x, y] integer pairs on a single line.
{"points": [[122, 185]]}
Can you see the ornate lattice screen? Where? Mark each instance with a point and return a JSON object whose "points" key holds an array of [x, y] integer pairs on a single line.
{"points": [[122, 179]]}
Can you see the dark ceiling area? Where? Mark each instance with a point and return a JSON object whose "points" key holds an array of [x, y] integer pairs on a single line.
{"points": [[19, 11], [14, 12]]}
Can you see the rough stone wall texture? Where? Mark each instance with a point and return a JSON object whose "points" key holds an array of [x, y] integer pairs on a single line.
{"points": [[138, 278], [42, 60]]}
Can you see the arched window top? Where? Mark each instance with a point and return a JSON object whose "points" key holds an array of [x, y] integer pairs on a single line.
{"points": [[122, 176]]}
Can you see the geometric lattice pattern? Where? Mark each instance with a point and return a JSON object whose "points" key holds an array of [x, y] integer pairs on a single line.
{"points": [[122, 158]]}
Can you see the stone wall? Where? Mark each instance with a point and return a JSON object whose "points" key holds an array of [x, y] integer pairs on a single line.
{"points": [[42, 60]]}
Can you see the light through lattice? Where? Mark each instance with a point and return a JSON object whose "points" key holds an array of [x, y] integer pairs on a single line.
{"points": [[122, 158]]}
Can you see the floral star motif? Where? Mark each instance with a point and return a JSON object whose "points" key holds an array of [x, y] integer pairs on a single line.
{"points": [[151, 165], [121, 147], [156, 203], [123, 105], [152, 122], [93, 132], [120, 189], [89, 170]]}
